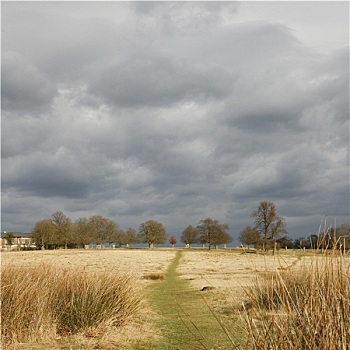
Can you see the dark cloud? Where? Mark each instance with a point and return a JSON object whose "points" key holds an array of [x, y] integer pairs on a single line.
{"points": [[152, 80], [171, 111], [23, 86]]}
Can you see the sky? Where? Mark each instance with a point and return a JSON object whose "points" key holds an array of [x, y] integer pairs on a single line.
{"points": [[175, 111]]}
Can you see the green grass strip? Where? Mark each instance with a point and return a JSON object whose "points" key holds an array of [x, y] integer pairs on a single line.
{"points": [[187, 321]]}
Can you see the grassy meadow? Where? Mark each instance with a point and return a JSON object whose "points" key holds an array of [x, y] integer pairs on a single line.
{"points": [[174, 299]]}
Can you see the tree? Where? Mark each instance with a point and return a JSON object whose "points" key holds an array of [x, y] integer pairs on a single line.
{"points": [[9, 237], [131, 236], [189, 235], [249, 236], [152, 232], [81, 232], [267, 222], [301, 243], [343, 235], [313, 241], [212, 232], [121, 237], [172, 240], [285, 242], [103, 230], [64, 227], [43, 234]]}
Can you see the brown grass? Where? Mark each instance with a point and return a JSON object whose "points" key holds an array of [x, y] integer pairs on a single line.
{"points": [[294, 302], [42, 302], [304, 308], [154, 276]]}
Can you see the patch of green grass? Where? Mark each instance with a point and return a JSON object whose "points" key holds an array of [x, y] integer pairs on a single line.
{"points": [[187, 318]]}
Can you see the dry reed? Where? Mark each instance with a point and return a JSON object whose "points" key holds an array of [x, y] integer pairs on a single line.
{"points": [[39, 303], [304, 308]]}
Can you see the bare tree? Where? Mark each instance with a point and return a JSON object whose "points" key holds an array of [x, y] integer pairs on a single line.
{"points": [[213, 233], [267, 222], [189, 235], [82, 232], [172, 241], [43, 234], [64, 227], [103, 230], [249, 236], [152, 232], [131, 236]]}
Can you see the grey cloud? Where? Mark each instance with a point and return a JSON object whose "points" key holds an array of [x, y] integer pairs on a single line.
{"points": [[145, 80], [174, 121], [23, 135], [46, 175], [23, 86], [185, 16]]}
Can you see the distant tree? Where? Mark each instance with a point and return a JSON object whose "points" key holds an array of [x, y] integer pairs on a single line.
{"points": [[343, 230], [325, 240], [301, 243], [249, 236], [285, 242], [44, 234], [267, 222], [313, 239], [343, 235], [131, 236], [212, 232], [189, 235], [103, 230], [120, 237], [152, 232], [172, 240], [82, 232], [227, 238], [64, 228], [203, 240], [9, 237]]}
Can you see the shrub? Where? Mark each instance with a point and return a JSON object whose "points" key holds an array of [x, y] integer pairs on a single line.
{"points": [[154, 276], [41, 302], [307, 308]]}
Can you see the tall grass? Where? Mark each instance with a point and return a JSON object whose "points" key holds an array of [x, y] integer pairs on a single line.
{"points": [[39, 303], [304, 308]]}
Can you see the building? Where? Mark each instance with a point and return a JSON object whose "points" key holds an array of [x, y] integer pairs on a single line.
{"points": [[20, 240]]}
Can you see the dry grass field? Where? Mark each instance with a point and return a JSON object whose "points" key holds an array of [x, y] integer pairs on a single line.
{"points": [[133, 262], [219, 268], [227, 273], [228, 270]]}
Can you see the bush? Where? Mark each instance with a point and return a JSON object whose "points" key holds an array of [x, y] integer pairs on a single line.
{"points": [[307, 308], [38, 303], [154, 276]]}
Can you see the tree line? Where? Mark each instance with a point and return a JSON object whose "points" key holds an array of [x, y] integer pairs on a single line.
{"points": [[208, 232], [59, 231], [269, 232]]}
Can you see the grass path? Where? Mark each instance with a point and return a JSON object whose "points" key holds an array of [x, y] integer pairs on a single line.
{"points": [[186, 321]]}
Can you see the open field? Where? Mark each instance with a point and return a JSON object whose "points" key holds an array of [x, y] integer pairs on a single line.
{"points": [[173, 300], [224, 269], [133, 262]]}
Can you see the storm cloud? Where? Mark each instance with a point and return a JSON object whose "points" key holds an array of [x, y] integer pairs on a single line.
{"points": [[174, 111]]}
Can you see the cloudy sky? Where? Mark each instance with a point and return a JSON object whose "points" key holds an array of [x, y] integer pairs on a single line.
{"points": [[175, 111]]}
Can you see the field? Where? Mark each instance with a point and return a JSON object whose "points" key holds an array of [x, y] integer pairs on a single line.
{"points": [[191, 298]]}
